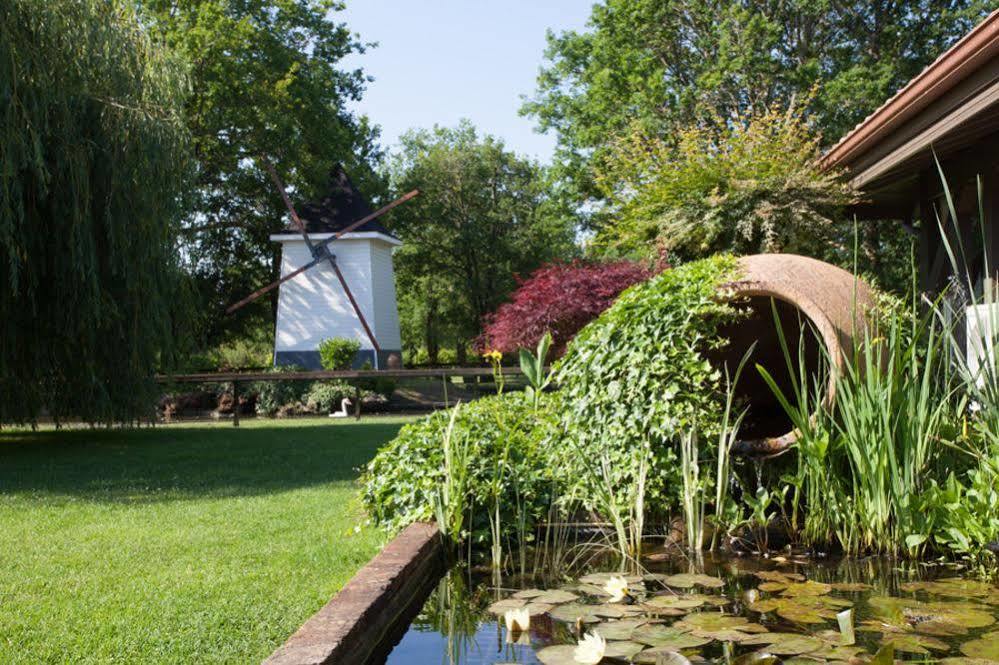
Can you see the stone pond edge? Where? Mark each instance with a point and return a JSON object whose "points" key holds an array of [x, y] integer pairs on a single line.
{"points": [[374, 608]]}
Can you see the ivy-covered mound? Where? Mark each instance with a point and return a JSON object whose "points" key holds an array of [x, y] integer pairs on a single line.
{"points": [[630, 382], [637, 377], [506, 460]]}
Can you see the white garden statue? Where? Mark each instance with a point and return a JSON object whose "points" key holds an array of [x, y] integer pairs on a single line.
{"points": [[344, 409]]}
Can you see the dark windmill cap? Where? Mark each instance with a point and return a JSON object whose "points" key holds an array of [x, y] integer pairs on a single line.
{"points": [[342, 205]]}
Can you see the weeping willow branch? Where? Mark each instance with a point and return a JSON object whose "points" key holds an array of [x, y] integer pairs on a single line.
{"points": [[93, 159]]}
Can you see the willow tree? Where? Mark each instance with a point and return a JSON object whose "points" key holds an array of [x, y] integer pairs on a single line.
{"points": [[92, 167]]}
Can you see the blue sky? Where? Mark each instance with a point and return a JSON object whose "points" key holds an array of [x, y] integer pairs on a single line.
{"points": [[442, 60]]}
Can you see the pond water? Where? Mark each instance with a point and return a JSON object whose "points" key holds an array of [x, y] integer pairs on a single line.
{"points": [[717, 609]]}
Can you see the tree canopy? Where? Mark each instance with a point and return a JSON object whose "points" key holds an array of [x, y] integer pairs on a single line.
{"points": [[93, 155], [665, 63], [483, 217], [267, 80], [751, 185]]}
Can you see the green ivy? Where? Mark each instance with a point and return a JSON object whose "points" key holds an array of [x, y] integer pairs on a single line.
{"points": [[504, 434], [639, 376]]}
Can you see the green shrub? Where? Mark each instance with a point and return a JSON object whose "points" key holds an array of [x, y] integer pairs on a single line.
{"points": [[326, 396], [337, 353], [273, 395], [401, 480], [638, 377], [381, 385]]}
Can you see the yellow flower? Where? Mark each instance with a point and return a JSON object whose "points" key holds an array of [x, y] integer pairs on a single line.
{"points": [[494, 356], [616, 588], [590, 650], [517, 620]]}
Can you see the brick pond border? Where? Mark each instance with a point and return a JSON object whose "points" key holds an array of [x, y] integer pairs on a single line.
{"points": [[375, 607]]}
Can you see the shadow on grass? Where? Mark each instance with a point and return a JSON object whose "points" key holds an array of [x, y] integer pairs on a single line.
{"points": [[170, 463]]}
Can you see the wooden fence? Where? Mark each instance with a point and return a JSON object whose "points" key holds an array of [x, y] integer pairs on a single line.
{"points": [[237, 378]]}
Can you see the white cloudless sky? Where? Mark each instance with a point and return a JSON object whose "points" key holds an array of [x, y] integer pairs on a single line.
{"points": [[438, 61]]}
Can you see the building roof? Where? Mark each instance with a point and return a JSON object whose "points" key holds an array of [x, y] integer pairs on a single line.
{"points": [[955, 65], [342, 206]]}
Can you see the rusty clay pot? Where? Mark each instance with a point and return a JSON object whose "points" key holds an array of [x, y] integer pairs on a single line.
{"points": [[809, 295]]}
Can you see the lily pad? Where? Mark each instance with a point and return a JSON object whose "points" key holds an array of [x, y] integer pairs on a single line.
{"points": [[667, 636], [562, 654], [912, 643], [573, 612], [556, 597], [795, 589], [527, 594], [622, 649], [620, 630], [779, 576], [690, 580], [599, 579], [952, 586], [986, 646], [710, 621], [500, 607], [675, 602], [795, 645], [914, 613], [804, 609]]}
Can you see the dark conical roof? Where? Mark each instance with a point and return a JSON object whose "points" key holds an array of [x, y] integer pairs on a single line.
{"points": [[342, 206]]}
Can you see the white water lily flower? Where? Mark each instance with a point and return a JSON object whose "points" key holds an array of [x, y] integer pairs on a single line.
{"points": [[616, 588], [519, 619], [590, 650]]}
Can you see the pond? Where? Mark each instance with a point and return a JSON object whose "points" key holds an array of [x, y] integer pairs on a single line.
{"points": [[717, 609]]}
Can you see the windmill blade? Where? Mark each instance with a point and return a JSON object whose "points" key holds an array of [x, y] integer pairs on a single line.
{"points": [[273, 285], [287, 201], [357, 309]]}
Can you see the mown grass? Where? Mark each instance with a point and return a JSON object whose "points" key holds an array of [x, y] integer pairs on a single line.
{"points": [[183, 543]]}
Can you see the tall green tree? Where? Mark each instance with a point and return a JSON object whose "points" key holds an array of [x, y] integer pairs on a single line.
{"points": [[267, 80], [666, 63], [754, 185], [93, 157], [484, 215]]}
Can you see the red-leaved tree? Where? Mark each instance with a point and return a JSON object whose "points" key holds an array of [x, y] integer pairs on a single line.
{"points": [[560, 298]]}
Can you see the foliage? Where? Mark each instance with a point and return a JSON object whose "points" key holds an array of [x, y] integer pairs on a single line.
{"points": [[638, 377], [749, 185], [533, 366], [327, 396], [663, 64], [871, 464], [338, 353], [93, 153], [203, 520], [273, 395], [482, 217], [502, 457], [559, 298], [380, 385], [267, 80]]}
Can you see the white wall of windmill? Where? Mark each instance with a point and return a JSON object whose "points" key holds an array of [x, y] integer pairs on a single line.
{"points": [[313, 306]]}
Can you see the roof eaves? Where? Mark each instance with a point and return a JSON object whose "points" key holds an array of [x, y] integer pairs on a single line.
{"points": [[953, 66]]}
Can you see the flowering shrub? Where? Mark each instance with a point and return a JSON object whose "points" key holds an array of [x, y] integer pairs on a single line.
{"points": [[559, 298]]}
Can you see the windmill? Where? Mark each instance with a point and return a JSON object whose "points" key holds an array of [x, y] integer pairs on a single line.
{"points": [[321, 254]]}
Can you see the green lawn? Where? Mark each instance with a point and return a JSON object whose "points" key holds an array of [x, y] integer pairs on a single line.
{"points": [[183, 543]]}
